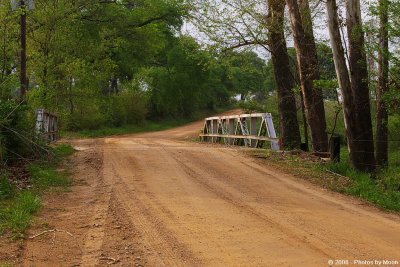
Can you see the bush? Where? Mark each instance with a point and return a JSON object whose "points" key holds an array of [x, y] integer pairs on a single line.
{"points": [[384, 190], [17, 133], [128, 107], [6, 189]]}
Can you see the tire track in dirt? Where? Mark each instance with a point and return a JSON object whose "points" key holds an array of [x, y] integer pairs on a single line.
{"points": [[165, 249], [221, 193], [218, 171]]}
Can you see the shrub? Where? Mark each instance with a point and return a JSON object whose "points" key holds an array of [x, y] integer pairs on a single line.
{"points": [[6, 189], [17, 131]]}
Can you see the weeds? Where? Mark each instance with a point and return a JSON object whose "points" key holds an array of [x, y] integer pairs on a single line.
{"points": [[44, 176], [6, 188], [383, 190], [19, 214], [18, 207], [127, 129]]}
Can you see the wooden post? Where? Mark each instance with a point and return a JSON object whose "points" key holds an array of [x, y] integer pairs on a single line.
{"points": [[334, 147]]}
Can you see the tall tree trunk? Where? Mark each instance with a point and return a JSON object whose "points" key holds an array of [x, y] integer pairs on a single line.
{"points": [[313, 100], [305, 124], [290, 131], [364, 157], [383, 79], [309, 40], [342, 74]]}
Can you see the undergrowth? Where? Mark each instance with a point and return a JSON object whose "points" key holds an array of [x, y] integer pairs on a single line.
{"points": [[382, 190], [19, 206], [126, 129]]}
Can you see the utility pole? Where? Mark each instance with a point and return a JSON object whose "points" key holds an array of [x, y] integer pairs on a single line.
{"points": [[23, 78], [23, 6]]}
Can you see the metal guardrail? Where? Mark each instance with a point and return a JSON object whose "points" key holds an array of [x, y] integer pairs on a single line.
{"points": [[47, 125], [251, 130]]}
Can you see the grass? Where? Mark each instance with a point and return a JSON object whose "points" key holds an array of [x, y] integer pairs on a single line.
{"points": [[383, 190], [61, 151], [44, 176], [18, 207], [19, 211], [150, 126]]}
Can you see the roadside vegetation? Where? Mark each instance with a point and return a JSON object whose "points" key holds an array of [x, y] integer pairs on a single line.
{"points": [[383, 190], [145, 126], [21, 199]]}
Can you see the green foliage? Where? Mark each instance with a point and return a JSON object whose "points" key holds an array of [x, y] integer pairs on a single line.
{"points": [[61, 151], [7, 190], [128, 107], [188, 81], [383, 190], [394, 126], [19, 214], [44, 176], [16, 131], [18, 207], [246, 74]]}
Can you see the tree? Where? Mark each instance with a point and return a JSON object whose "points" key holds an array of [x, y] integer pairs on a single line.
{"points": [[382, 117], [308, 66], [246, 73], [364, 157], [354, 90], [289, 126], [342, 75], [237, 24], [185, 80]]}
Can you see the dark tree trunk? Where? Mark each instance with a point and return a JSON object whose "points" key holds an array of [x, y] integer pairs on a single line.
{"points": [[290, 131], [383, 79], [309, 40], [305, 124], [313, 99], [364, 157]]}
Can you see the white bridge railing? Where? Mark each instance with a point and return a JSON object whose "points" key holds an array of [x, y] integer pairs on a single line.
{"points": [[251, 130], [47, 125]]}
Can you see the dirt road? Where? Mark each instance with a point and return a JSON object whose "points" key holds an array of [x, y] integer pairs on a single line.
{"points": [[156, 200]]}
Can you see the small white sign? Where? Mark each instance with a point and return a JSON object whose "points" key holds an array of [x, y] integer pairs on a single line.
{"points": [[15, 4]]}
